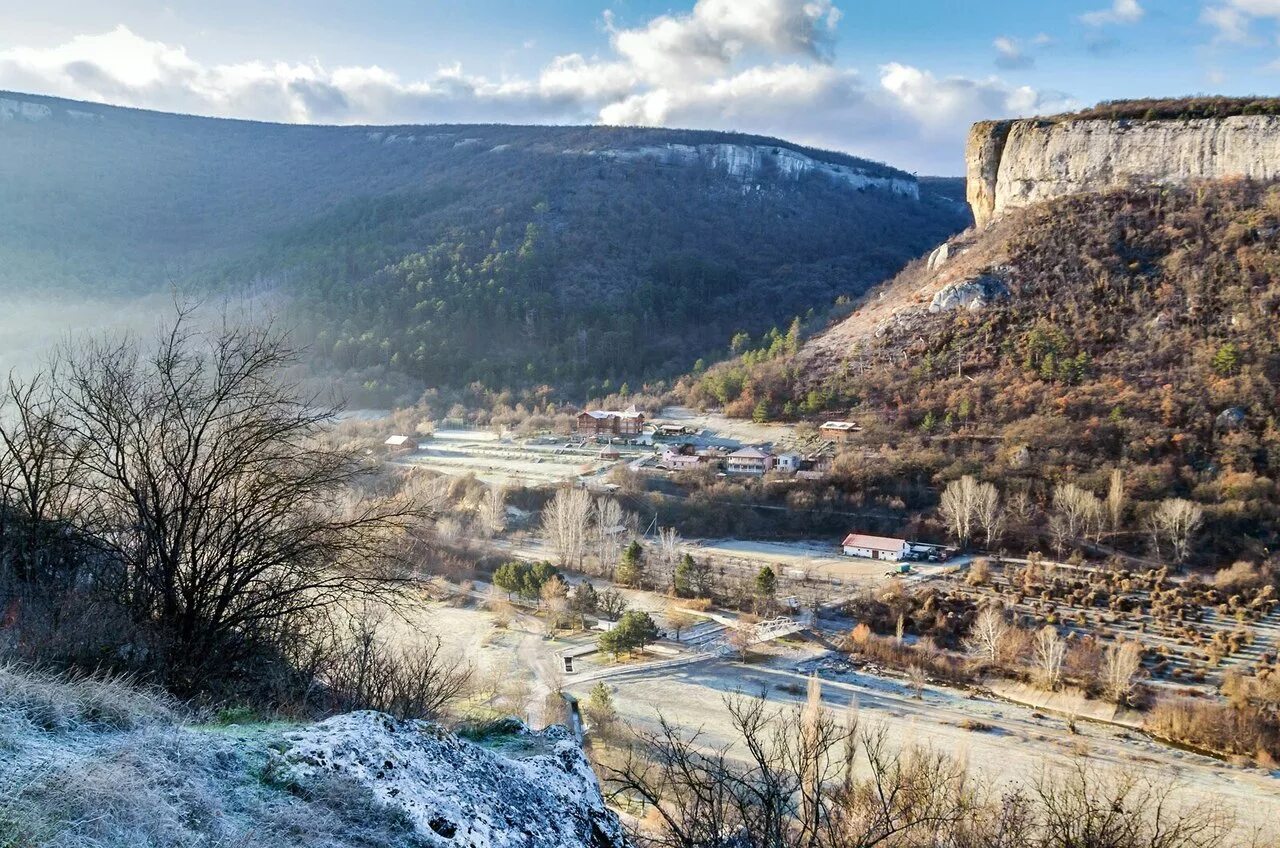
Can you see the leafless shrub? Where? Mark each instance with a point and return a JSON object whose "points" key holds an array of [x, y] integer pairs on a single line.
{"points": [[415, 680]]}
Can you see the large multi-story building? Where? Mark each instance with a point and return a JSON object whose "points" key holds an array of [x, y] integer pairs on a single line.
{"points": [[604, 422]]}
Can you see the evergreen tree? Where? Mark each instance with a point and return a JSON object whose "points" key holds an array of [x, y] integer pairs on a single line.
{"points": [[633, 631], [630, 570], [766, 583]]}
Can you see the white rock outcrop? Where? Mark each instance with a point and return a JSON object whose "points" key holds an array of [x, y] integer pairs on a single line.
{"points": [[1011, 164], [539, 792], [974, 294], [754, 161], [24, 110]]}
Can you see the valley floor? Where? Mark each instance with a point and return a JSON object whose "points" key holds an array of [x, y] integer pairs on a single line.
{"points": [[687, 685]]}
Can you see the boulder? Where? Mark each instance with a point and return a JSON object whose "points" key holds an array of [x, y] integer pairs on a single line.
{"points": [[537, 790], [1231, 418], [973, 294]]}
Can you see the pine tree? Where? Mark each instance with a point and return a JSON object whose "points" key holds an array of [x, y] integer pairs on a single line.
{"points": [[766, 583], [631, 568]]}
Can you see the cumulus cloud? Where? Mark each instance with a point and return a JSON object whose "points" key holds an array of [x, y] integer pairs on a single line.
{"points": [[762, 66], [1120, 12]]}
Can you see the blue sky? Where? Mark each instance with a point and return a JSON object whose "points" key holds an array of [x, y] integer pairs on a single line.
{"points": [[896, 81]]}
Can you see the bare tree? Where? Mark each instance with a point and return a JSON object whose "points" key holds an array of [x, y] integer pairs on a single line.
{"points": [[41, 486], [669, 542], [1077, 513], [916, 679], [554, 598], [958, 508], [565, 521], [1050, 651], [1117, 501], [413, 679], [229, 525], [808, 779], [1120, 668], [1083, 806], [492, 512], [987, 635], [989, 513], [743, 636], [609, 531], [1175, 521]]}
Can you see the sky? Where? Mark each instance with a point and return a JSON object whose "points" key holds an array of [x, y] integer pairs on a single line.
{"points": [[898, 81]]}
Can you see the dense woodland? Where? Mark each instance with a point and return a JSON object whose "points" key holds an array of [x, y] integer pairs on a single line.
{"points": [[415, 257], [1139, 334]]}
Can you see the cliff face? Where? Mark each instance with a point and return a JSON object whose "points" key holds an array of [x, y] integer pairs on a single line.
{"points": [[1016, 163], [756, 161]]}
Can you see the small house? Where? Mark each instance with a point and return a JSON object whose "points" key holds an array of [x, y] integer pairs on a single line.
{"points": [[401, 443], [876, 547], [748, 461], [788, 462], [838, 431]]}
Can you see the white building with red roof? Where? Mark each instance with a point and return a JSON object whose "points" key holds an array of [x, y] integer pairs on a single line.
{"points": [[875, 547]]}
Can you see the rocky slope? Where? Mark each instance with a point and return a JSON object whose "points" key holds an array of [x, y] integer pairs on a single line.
{"points": [[1017, 163], [539, 792], [104, 763]]}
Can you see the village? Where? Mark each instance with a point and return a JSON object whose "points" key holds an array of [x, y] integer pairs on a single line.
{"points": [[669, 445]]}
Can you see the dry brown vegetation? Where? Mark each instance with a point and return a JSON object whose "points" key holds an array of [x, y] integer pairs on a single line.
{"points": [[815, 779], [1135, 320]]}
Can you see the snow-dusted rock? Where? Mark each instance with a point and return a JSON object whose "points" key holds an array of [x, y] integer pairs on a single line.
{"points": [[539, 791], [973, 294]]}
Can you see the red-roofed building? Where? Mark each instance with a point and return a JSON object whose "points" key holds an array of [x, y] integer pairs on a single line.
{"points": [[604, 422], [875, 547]]}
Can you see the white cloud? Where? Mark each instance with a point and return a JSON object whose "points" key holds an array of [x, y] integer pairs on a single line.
{"points": [[1121, 12], [1232, 19], [1010, 54], [761, 66], [939, 104]]}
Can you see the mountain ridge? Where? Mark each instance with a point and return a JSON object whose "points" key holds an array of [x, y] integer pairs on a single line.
{"points": [[409, 257]]}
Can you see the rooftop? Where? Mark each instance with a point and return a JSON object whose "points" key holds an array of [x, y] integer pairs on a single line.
{"points": [[875, 543]]}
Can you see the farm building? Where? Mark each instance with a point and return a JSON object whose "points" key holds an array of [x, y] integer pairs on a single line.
{"points": [[749, 461], [875, 547], [604, 422], [401, 443], [838, 431]]}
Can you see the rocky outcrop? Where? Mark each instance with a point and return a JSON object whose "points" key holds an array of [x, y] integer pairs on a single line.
{"points": [[973, 294], [1011, 164], [539, 792], [756, 161], [22, 110]]}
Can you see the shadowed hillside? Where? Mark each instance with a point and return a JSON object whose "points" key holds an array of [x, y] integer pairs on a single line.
{"points": [[441, 255]]}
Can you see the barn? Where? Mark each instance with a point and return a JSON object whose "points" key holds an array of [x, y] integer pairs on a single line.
{"points": [[875, 547]]}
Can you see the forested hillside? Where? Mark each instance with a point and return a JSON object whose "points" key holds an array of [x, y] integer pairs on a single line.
{"points": [[441, 255], [1132, 330]]}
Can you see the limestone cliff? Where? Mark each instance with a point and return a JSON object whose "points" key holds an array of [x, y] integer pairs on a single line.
{"points": [[756, 161], [1016, 163]]}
